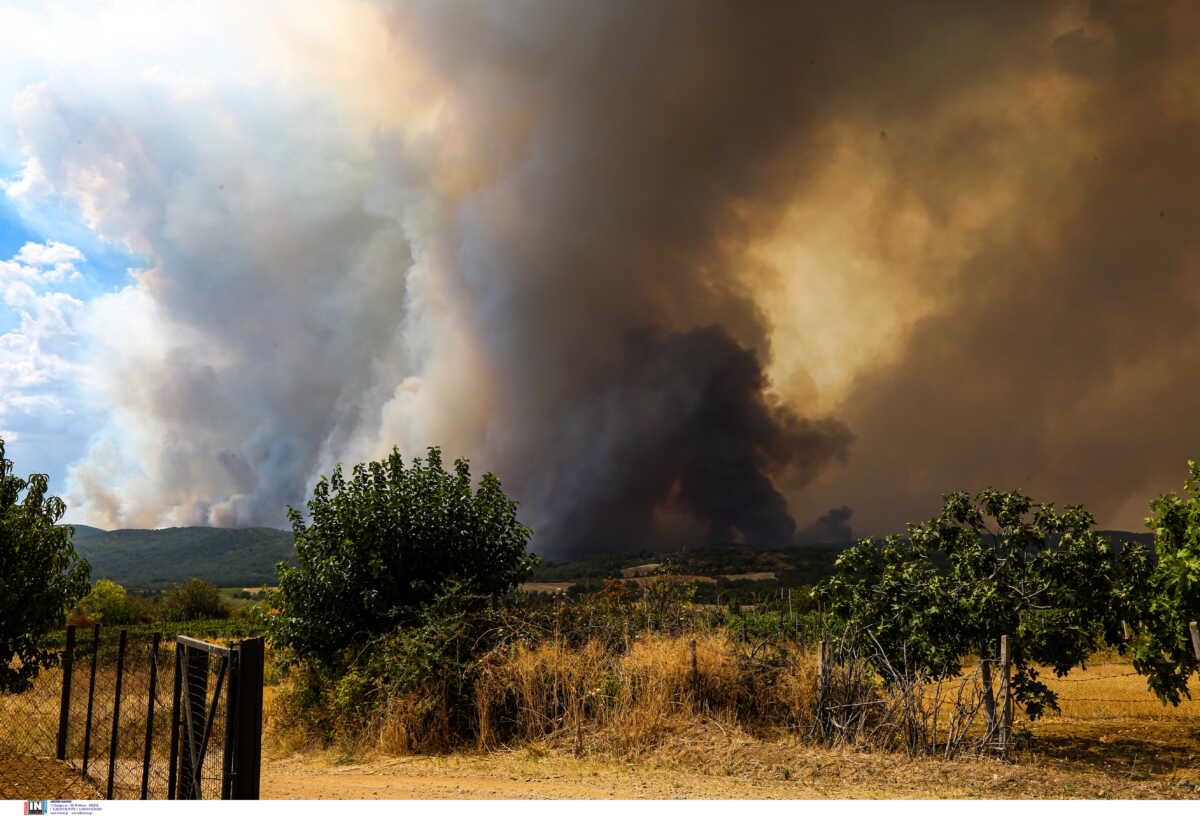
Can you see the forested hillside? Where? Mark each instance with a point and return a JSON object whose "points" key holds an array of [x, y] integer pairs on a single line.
{"points": [[155, 558]]}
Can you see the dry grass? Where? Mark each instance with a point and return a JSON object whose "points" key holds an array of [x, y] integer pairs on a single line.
{"points": [[622, 702], [746, 719]]}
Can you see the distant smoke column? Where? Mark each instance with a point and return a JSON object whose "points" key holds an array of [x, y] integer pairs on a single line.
{"points": [[605, 270]]}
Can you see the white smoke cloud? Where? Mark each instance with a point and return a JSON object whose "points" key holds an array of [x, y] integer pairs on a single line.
{"points": [[271, 323]]}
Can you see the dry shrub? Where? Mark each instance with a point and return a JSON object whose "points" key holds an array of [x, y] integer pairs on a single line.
{"points": [[600, 698]]}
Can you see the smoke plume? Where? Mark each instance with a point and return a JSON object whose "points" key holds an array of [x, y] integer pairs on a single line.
{"points": [[675, 271]]}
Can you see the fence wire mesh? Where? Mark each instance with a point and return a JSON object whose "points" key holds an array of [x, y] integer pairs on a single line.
{"points": [[114, 738], [28, 744], [120, 710]]}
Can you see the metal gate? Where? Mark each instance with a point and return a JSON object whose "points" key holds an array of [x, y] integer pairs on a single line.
{"points": [[216, 722]]}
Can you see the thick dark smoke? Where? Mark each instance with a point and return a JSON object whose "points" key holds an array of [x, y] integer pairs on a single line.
{"points": [[678, 447], [833, 527], [612, 263], [581, 243], [1062, 356]]}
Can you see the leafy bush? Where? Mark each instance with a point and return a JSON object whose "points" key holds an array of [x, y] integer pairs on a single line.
{"points": [[41, 576], [389, 541], [110, 604], [193, 599], [1169, 596], [955, 584]]}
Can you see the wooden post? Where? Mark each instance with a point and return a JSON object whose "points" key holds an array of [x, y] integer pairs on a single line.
{"points": [[248, 752], [87, 728], [1126, 631], [989, 697], [1195, 633], [150, 713], [116, 722], [822, 667], [64, 705], [1005, 696]]}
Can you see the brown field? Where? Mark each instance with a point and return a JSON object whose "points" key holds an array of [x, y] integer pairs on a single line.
{"points": [[1112, 740], [749, 576], [548, 587]]}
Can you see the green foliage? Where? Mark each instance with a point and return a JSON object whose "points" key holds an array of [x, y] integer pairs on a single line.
{"points": [[1169, 597], [955, 584], [41, 576], [192, 600], [110, 604], [383, 544]]}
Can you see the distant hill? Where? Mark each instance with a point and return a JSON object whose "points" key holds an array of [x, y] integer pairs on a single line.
{"points": [[84, 531], [152, 559]]}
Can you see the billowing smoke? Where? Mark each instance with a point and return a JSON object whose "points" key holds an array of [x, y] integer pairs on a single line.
{"points": [[832, 527], [676, 271]]}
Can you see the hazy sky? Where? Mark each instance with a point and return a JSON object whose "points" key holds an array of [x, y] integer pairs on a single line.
{"points": [[676, 271]]}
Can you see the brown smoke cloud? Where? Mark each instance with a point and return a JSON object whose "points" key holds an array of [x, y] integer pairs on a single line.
{"points": [[699, 270]]}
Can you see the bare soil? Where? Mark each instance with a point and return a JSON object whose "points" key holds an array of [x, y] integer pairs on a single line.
{"points": [[24, 777], [1137, 760]]}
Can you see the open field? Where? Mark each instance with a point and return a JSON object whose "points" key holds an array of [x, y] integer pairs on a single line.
{"points": [[1114, 740]]}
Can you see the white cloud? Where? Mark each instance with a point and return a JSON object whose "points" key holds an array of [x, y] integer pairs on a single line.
{"points": [[51, 254], [42, 263], [39, 352]]}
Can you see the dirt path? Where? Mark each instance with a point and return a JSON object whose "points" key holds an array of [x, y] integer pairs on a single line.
{"points": [[504, 777], [762, 771]]}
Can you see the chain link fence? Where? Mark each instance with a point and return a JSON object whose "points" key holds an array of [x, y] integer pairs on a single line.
{"points": [[135, 717]]}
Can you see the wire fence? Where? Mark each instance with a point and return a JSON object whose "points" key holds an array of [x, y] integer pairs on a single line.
{"points": [[126, 717], [118, 724]]}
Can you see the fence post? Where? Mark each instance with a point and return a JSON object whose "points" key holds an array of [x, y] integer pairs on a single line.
{"points": [[116, 724], [1195, 633], [823, 672], [172, 778], [228, 755], [87, 728], [64, 706], [150, 713], [1005, 696], [695, 673], [248, 752], [823, 668]]}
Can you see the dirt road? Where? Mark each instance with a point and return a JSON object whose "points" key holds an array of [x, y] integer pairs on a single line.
{"points": [[778, 772]]}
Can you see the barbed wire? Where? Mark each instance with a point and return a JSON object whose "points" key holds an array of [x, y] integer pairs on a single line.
{"points": [[1094, 679]]}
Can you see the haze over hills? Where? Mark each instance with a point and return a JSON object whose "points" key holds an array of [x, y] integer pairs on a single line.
{"points": [[152, 559]]}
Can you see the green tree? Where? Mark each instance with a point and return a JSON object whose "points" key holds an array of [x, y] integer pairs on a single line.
{"points": [[194, 599], [956, 583], [1170, 595], [387, 542], [109, 603], [41, 576]]}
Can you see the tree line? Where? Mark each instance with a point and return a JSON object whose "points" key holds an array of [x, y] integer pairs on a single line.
{"points": [[400, 547]]}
